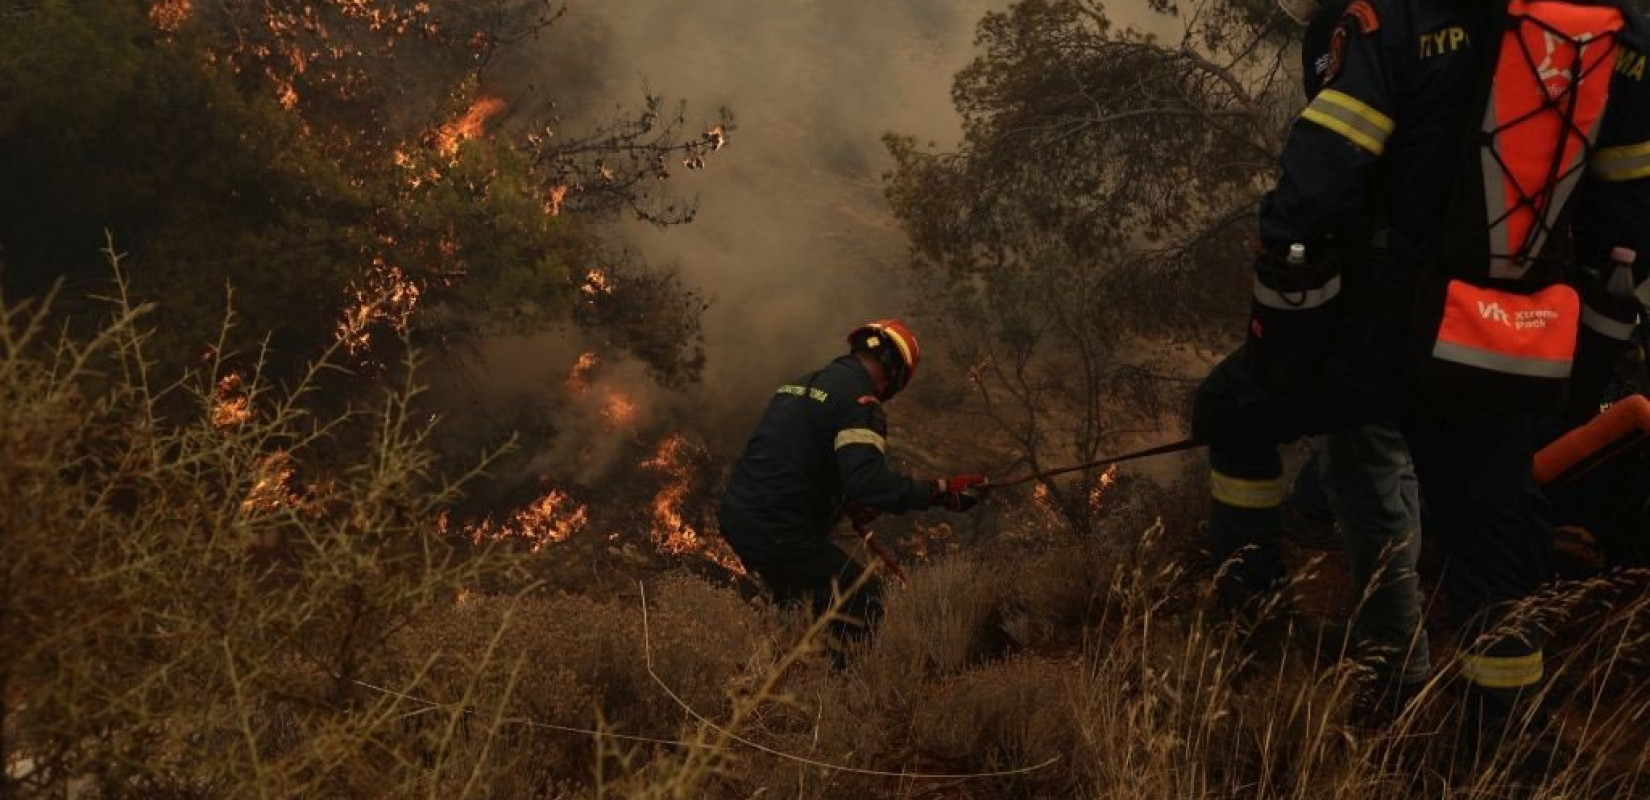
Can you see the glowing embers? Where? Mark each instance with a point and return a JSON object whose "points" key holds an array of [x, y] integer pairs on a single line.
{"points": [[553, 199], [578, 378], [231, 405], [1101, 485], [386, 296], [469, 126], [551, 519], [271, 485], [170, 15], [672, 533], [596, 285], [694, 152], [618, 411]]}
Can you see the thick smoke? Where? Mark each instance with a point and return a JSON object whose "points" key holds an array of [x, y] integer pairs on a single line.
{"points": [[793, 242]]}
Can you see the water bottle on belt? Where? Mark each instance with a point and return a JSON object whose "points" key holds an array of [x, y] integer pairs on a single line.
{"points": [[1292, 318]]}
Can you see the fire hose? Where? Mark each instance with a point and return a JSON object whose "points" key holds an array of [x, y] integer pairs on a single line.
{"points": [[862, 516]]}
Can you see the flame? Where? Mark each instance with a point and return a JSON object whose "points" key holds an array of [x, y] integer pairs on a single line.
{"points": [[231, 406], [672, 534], [1048, 512], [553, 200], [619, 411], [470, 126], [578, 379], [1102, 484], [286, 94], [596, 284], [169, 15], [387, 295], [272, 489], [929, 540], [551, 519]]}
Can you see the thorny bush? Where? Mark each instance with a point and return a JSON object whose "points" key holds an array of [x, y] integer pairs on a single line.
{"points": [[231, 603]]}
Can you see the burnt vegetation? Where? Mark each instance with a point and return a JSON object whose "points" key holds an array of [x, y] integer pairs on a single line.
{"points": [[244, 554]]}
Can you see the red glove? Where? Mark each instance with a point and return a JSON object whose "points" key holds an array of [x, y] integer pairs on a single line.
{"points": [[959, 493]]}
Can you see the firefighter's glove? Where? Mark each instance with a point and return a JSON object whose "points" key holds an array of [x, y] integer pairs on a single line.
{"points": [[959, 493]]}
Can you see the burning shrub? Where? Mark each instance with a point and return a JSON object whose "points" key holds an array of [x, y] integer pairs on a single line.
{"points": [[188, 605]]}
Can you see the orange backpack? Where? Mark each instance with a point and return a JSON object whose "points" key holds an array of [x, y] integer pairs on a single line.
{"points": [[1500, 333]]}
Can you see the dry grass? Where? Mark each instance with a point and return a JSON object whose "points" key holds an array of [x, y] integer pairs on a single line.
{"points": [[178, 619]]}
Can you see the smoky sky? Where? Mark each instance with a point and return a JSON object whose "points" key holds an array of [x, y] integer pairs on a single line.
{"points": [[793, 242]]}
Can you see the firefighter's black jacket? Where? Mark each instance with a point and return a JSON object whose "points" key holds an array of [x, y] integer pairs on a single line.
{"points": [[820, 444], [1385, 136]]}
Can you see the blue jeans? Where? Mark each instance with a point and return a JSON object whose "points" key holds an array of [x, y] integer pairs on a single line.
{"points": [[1370, 484]]}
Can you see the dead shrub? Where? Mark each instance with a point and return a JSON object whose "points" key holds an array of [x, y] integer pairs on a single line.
{"points": [[949, 618]]}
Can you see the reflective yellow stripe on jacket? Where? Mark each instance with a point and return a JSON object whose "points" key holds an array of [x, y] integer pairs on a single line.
{"points": [[1350, 117], [1626, 163]]}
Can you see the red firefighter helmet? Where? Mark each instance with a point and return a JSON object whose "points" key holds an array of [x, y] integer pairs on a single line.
{"points": [[894, 346]]}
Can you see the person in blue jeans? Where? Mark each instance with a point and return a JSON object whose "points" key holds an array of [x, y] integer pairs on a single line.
{"points": [[1359, 487], [1364, 478]]}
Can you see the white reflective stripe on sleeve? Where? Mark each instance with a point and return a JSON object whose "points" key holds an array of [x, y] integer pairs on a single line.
{"points": [[850, 436], [1607, 327], [1297, 301]]}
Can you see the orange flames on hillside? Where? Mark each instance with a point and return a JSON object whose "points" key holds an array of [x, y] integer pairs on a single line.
{"points": [[619, 411], [577, 380], [553, 199], [469, 126], [387, 296], [169, 15], [551, 519], [272, 485], [231, 406], [672, 533], [596, 284], [1102, 484]]}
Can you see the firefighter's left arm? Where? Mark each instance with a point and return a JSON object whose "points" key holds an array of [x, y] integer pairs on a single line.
{"points": [[1612, 211], [1613, 203], [1337, 136], [861, 445]]}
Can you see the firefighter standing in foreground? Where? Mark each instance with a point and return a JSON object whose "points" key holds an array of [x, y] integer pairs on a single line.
{"points": [[1501, 149], [1367, 479], [819, 453]]}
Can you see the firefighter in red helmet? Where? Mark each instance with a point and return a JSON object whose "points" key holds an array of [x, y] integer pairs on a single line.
{"points": [[1500, 153], [819, 452]]}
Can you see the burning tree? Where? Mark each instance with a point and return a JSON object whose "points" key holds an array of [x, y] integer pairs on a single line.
{"points": [[353, 164]]}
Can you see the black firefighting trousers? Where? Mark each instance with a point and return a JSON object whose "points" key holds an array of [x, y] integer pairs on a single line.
{"points": [[815, 575], [1484, 509]]}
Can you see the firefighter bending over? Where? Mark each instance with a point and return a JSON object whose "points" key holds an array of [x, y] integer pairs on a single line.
{"points": [[819, 453]]}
